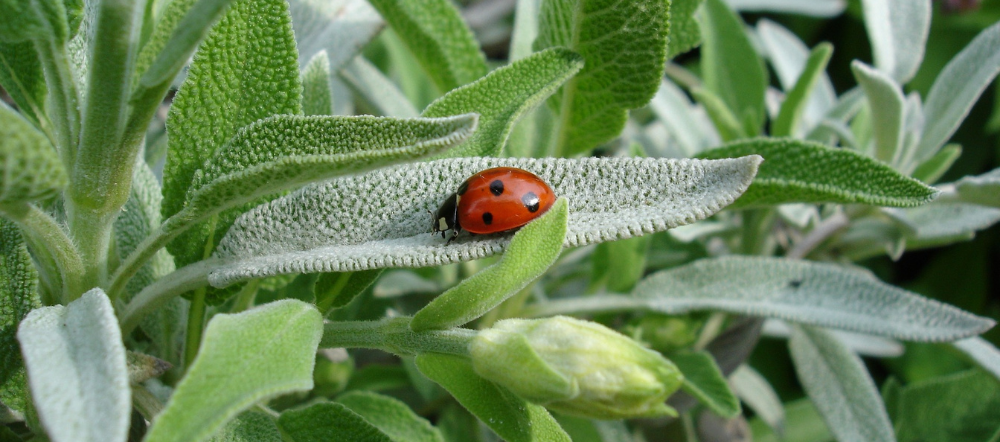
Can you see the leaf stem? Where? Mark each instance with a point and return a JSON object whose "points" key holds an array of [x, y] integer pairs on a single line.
{"points": [[395, 336], [145, 403], [155, 295], [47, 237], [823, 230], [603, 303], [157, 239], [63, 98], [195, 326]]}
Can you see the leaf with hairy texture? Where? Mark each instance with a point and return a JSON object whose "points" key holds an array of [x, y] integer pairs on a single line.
{"points": [[326, 421], [684, 32], [981, 189], [77, 370], [18, 296], [960, 407], [797, 171], [22, 77], [31, 169], [317, 96], [245, 70], [43, 20], [731, 67], [684, 121], [790, 116], [936, 166], [898, 32], [983, 352], [704, 381], [812, 8], [390, 416], [937, 222], [250, 426], [244, 358], [754, 390], [725, 121], [435, 33], [788, 55], [839, 385], [341, 28], [885, 99], [624, 47], [139, 217], [501, 97], [609, 198], [376, 89], [957, 88], [532, 250], [511, 417]]}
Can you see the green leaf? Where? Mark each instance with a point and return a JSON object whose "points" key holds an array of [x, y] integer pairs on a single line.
{"points": [[753, 389], [935, 167], [77, 371], [885, 99], [326, 421], [981, 189], [684, 122], [246, 70], [806, 172], [938, 222], [317, 96], [957, 88], [731, 67], [511, 417], [684, 32], [244, 358], [704, 381], [18, 296], [391, 416], [31, 168], [250, 426], [963, 407], [501, 97], [624, 47], [376, 89], [340, 28], [839, 385], [804, 292], [592, 430], [22, 77], [27, 20], [804, 424], [794, 106], [435, 33], [618, 265], [337, 289], [139, 217], [532, 250], [722, 117], [898, 32], [983, 352], [609, 199]]}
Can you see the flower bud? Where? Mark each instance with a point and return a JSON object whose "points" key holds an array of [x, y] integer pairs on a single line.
{"points": [[576, 367]]}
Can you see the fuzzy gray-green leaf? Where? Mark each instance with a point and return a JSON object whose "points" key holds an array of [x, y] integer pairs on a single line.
{"points": [[794, 106], [530, 253], [244, 358], [898, 32], [139, 217], [684, 31], [704, 381], [731, 67], [885, 99], [31, 169], [501, 97], [250, 426], [435, 33], [797, 171], [609, 198], [18, 296], [943, 221], [981, 189], [77, 371], [624, 46], [317, 96], [340, 28], [839, 385]]}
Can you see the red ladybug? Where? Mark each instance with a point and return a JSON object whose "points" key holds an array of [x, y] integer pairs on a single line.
{"points": [[494, 200]]}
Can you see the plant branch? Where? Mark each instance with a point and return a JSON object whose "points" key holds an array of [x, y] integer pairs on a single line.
{"points": [[47, 237], [155, 295], [394, 336], [823, 230], [195, 327], [157, 239]]}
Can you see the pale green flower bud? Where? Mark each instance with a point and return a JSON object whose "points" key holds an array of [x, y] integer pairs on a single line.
{"points": [[576, 367]]}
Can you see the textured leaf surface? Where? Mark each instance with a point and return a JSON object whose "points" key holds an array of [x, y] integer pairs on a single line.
{"points": [[435, 33], [794, 106], [885, 99], [957, 88], [139, 217], [531, 251], [962, 407], [391, 416], [247, 69], [31, 167], [788, 55], [704, 381], [317, 96], [22, 77], [18, 296], [839, 384], [180, 27], [42, 20], [814, 8], [982, 189], [684, 32], [624, 46], [731, 67], [338, 27], [983, 352], [945, 220], [244, 358], [76, 369], [380, 219], [511, 417], [251, 426], [807, 172], [898, 32], [805, 292], [501, 97], [328, 421]]}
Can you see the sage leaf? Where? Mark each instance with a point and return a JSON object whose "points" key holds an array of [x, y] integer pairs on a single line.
{"points": [[935, 167], [624, 47], [609, 199], [957, 88], [76, 369], [885, 99], [807, 172], [983, 352], [938, 222], [317, 95], [31, 169], [245, 70], [722, 117], [754, 390], [244, 358], [339, 28], [43, 20], [803, 292], [512, 418], [688, 126], [704, 381], [839, 385], [684, 32], [501, 97], [803, 423], [391, 416], [250, 426], [376, 89], [22, 77], [981, 189], [928, 410], [732, 69], [898, 32], [814, 8], [531, 251], [435, 33], [326, 421], [793, 108], [18, 296], [788, 56], [139, 217]]}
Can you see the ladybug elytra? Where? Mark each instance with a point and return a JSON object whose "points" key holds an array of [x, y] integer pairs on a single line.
{"points": [[494, 200]]}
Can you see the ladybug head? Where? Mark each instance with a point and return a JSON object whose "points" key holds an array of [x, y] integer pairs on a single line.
{"points": [[446, 217]]}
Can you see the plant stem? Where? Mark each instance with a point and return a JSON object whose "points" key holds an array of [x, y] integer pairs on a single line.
{"points": [[827, 228], [155, 295], [92, 234], [157, 239], [63, 103], [394, 336], [145, 403], [245, 297], [47, 238], [195, 326]]}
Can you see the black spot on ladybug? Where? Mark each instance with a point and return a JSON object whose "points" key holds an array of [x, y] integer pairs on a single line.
{"points": [[530, 201], [488, 218], [496, 187], [463, 188], [795, 283]]}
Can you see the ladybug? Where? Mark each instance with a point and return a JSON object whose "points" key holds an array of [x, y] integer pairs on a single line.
{"points": [[494, 200]]}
